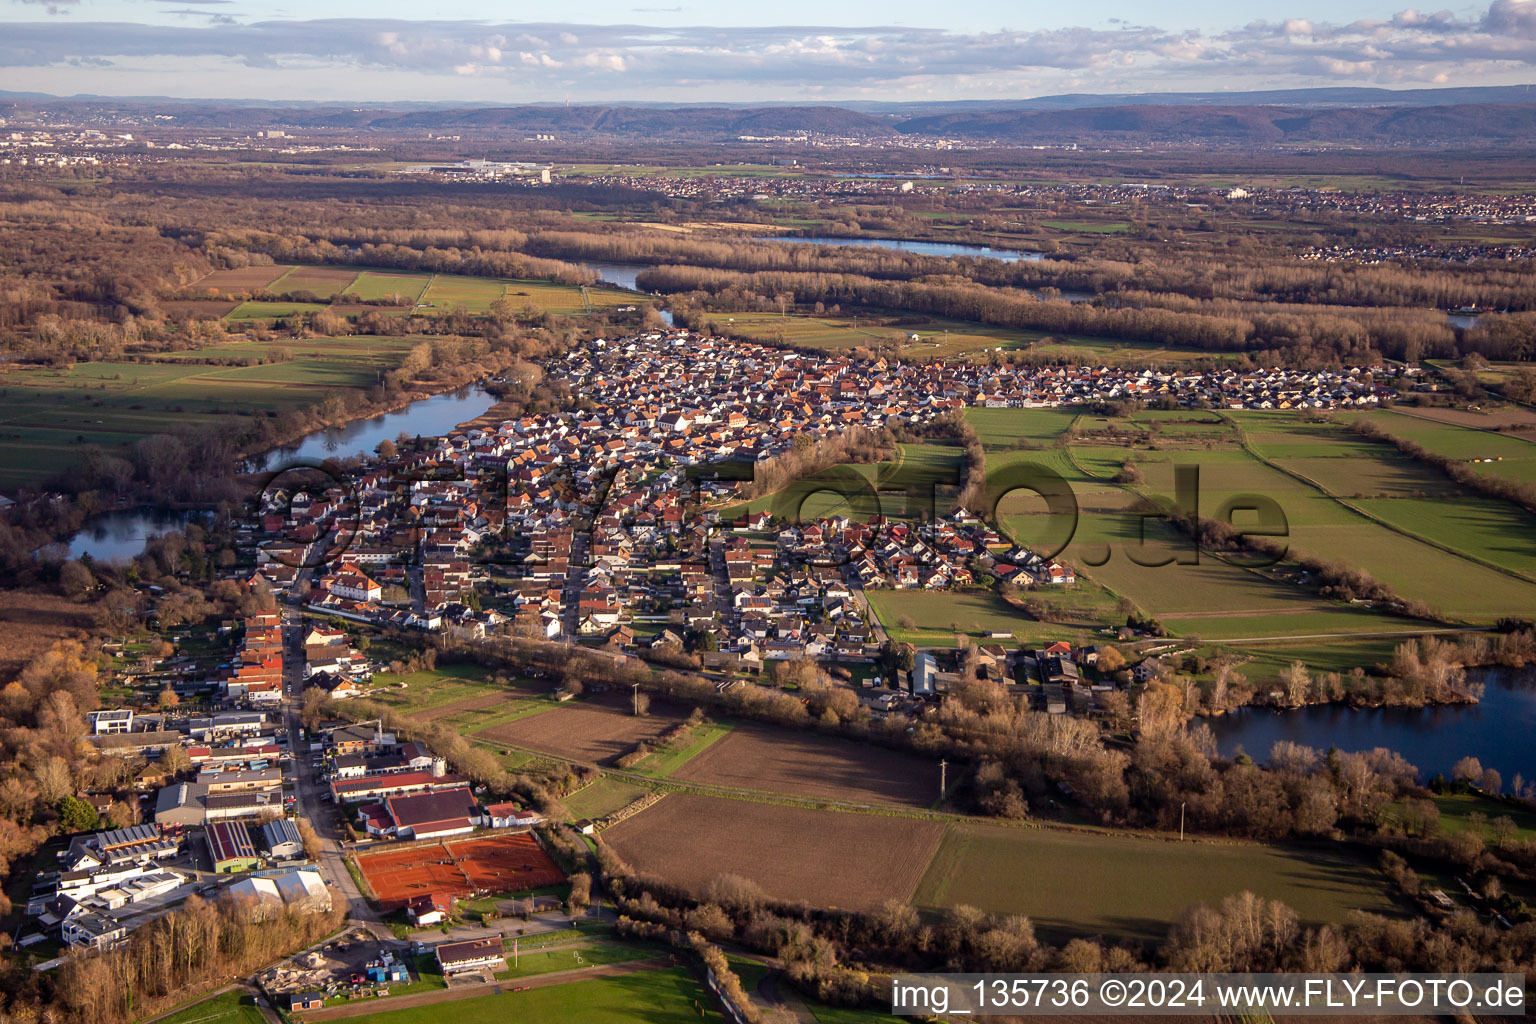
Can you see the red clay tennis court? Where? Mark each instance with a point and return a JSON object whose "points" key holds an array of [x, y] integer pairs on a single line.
{"points": [[462, 867]]}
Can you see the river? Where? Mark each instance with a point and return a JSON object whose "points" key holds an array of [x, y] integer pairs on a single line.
{"points": [[124, 534], [1496, 731], [919, 247], [427, 417]]}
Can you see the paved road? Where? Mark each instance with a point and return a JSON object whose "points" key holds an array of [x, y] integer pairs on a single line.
{"points": [[331, 862], [856, 587]]}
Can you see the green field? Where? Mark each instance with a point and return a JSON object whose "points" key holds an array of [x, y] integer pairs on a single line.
{"points": [[477, 294], [940, 338], [47, 414], [588, 954], [226, 1008], [373, 285], [1516, 457], [669, 996], [1269, 658], [1093, 883], [603, 797], [432, 687], [272, 310], [935, 615], [937, 337], [425, 292], [669, 759], [1082, 227], [1004, 427], [1457, 812], [1344, 499], [920, 481]]}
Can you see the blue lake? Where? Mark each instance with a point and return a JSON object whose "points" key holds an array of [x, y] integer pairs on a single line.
{"points": [[123, 534], [1496, 731]]}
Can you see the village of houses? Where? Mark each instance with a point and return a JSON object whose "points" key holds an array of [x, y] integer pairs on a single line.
{"points": [[599, 524]]}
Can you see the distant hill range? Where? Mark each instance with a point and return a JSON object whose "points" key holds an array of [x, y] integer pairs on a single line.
{"points": [[1493, 116], [1496, 124]]}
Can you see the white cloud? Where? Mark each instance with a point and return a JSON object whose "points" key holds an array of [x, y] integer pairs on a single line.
{"points": [[779, 62]]}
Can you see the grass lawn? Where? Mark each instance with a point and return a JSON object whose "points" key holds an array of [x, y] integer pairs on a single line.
{"points": [[667, 760], [935, 615], [670, 996], [378, 284], [589, 954], [825, 1014], [225, 1008], [1213, 599], [1108, 350], [920, 481], [1082, 227], [256, 310], [584, 928], [1457, 809], [432, 687], [750, 972], [1493, 531], [1087, 883], [1005, 427], [1267, 660], [603, 797], [322, 282], [1516, 457]]}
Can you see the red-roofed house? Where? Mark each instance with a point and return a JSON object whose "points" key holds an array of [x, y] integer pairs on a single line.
{"points": [[429, 909], [448, 812]]}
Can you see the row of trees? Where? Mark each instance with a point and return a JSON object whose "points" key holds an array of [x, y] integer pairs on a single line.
{"points": [[1459, 470]]}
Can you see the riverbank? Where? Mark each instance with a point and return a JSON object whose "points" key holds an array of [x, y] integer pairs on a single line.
{"points": [[397, 402]]}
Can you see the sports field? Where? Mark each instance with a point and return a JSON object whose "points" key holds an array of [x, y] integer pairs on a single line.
{"points": [[461, 867], [373, 285], [1094, 883], [236, 1007], [665, 996], [404, 290]]}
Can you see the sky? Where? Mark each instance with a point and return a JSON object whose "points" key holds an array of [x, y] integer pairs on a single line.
{"points": [[782, 52]]}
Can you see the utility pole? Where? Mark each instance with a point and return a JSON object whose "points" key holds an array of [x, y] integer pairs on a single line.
{"points": [[637, 699], [943, 775], [1181, 821]]}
